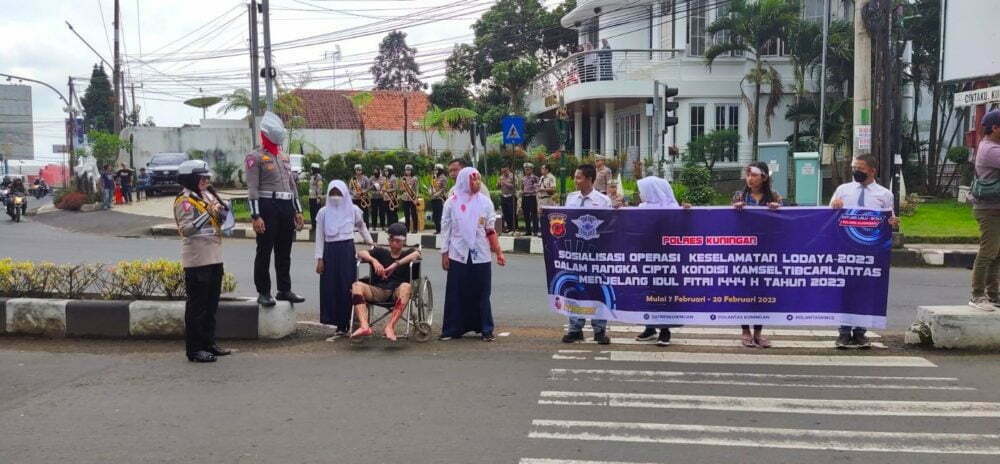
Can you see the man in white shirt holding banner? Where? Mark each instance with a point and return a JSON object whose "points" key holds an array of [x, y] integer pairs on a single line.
{"points": [[586, 197], [862, 193]]}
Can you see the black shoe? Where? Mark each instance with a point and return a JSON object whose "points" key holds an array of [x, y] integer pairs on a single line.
{"points": [[201, 357], [265, 299], [219, 351], [489, 337], [646, 335], [862, 341], [601, 338], [572, 337], [664, 338], [844, 341], [289, 296]]}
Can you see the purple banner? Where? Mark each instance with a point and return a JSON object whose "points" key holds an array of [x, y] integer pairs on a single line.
{"points": [[793, 266]]}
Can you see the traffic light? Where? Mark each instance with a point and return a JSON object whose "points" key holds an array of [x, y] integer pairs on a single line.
{"points": [[669, 107]]}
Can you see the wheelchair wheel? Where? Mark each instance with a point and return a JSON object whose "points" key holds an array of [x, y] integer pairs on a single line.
{"points": [[421, 311], [426, 302]]}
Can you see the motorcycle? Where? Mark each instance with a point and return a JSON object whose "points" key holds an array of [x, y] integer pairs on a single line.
{"points": [[16, 206]]}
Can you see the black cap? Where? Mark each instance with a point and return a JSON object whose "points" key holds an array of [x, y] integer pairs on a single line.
{"points": [[397, 230]]}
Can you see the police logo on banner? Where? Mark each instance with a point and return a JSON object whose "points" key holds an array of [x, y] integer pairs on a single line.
{"points": [[557, 225], [587, 227]]}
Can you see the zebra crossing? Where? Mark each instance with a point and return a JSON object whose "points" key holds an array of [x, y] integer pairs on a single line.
{"points": [[625, 404]]}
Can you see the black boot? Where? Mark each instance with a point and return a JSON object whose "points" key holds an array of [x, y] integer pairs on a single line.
{"points": [[201, 357], [289, 296], [219, 351], [265, 300]]}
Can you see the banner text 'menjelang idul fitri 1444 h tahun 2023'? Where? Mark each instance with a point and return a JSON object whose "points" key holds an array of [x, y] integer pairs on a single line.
{"points": [[792, 266]]}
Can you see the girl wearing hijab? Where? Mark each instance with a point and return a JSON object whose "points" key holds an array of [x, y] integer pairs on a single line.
{"points": [[756, 193], [656, 193], [335, 254], [467, 226]]}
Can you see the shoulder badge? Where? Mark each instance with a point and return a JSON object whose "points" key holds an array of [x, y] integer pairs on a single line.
{"points": [[251, 160]]}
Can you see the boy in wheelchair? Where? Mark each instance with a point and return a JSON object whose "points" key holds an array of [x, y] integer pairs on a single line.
{"points": [[390, 281]]}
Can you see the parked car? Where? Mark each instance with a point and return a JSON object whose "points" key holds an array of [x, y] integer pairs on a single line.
{"points": [[162, 169]]}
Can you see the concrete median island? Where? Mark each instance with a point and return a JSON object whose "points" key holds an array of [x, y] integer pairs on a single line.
{"points": [[236, 318]]}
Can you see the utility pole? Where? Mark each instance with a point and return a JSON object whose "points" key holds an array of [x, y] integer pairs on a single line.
{"points": [[254, 70], [269, 73], [117, 71], [334, 57], [406, 122], [71, 140], [135, 108], [822, 79]]}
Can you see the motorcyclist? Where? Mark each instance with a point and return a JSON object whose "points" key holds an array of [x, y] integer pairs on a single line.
{"points": [[17, 187], [41, 188]]}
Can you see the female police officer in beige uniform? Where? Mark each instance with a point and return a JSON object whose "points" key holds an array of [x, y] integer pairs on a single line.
{"points": [[200, 215]]}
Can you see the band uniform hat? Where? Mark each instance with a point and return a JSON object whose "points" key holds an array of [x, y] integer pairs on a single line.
{"points": [[408, 166], [528, 165], [389, 167], [439, 166], [357, 167], [314, 165]]}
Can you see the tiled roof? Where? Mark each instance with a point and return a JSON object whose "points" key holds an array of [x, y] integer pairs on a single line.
{"points": [[332, 109]]}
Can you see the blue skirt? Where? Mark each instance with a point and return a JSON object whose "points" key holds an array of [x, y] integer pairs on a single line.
{"points": [[467, 299], [339, 273]]}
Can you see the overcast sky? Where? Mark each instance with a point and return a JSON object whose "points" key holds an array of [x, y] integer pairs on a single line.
{"points": [[172, 46]]}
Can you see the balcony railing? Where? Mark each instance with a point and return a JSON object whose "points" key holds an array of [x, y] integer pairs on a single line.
{"points": [[598, 66]]}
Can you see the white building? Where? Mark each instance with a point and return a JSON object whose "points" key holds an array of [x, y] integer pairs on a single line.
{"points": [[16, 133], [606, 92]]}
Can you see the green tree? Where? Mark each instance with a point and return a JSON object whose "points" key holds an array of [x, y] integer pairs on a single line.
{"points": [[360, 101], [105, 147], [509, 30], [457, 119], [713, 147], [751, 27], [452, 92], [240, 100], [395, 68], [433, 120], [513, 77], [805, 47], [98, 103]]}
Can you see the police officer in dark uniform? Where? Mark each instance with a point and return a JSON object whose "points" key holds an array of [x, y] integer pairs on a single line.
{"points": [[273, 197]]}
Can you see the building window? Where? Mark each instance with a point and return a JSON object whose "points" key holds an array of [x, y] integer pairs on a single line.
{"points": [[727, 117], [666, 22], [774, 47], [627, 133], [723, 36], [697, 121], [812, 10], [593, 31], [697, 19]]}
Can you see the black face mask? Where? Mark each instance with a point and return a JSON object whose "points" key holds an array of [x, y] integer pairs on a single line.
{"points": [[860, 176]]}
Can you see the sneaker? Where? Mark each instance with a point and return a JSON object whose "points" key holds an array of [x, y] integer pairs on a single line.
{"points": [[489, 337], [982, 303], [647, 335], [572, 337], [601, 338], [664, 338], [844, 341], [862, 341], [444, 338]]}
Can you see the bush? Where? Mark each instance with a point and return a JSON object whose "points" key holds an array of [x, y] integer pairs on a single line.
{"points": [[698, 182], [71, 201], [162, 279]]}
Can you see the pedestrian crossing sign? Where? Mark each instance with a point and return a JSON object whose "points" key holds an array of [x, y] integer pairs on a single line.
{"points": [[513, 129]]}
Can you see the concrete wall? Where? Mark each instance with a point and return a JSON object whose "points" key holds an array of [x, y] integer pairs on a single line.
{"points": [[16, 132], [234, 143]]}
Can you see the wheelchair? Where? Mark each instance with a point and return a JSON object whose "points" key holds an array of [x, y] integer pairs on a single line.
{"points": [[418, 315]]}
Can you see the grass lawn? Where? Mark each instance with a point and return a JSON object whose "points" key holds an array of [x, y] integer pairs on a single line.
{"points": [[941, 218]]}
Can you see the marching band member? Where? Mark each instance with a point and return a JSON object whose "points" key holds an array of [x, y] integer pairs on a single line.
{"points": [[439, 192], [409, 190], [390, 192], [656, 193], [757, 192], [586, 197], [529, 201], [508, 200], [378, 202], [469, 237], [335, 255], [361, 184]]}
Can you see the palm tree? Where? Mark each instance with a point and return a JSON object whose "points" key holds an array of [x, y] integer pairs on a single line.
{"points": [[433, 120], [239, 100], [360, 101], [751, 27], [805, 48], [457, 119]]}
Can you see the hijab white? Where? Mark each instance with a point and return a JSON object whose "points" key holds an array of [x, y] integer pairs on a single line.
{"points": [[338, 218], [656, 193], [469, 207]]}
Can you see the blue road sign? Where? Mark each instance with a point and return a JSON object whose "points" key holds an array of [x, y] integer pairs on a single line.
{"points": [[513, 129]]}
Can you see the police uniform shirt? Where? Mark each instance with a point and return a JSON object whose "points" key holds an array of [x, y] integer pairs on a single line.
{"points": [[391, 184], [266, 172], [858, 195], [603, 177], [364, 184], [201, 230], [441, 187], [412, 182], [529, 185], [316, 189], [375, 186], [594, 199], [507, 187], [548, 186]]}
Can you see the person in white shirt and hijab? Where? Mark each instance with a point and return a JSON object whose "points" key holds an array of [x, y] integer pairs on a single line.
{"points": [[467, 227], [335, 254], [656, 193]]}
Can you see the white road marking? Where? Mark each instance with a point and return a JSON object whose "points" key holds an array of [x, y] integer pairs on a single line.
{"points": [[756, 359], [731, 342], [571, 461], [757, 380], [864, 408], [761, 437], [735, 331]]}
